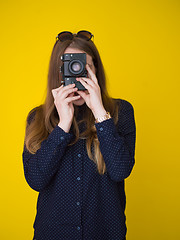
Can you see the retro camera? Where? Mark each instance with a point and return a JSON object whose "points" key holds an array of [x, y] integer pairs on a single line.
{"points": [[74, 65]]}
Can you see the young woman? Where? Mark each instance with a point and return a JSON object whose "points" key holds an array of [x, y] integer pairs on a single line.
{"points": [[79, 147]]}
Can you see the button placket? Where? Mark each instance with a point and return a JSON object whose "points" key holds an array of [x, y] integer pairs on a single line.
{"points": [[78, 178]]}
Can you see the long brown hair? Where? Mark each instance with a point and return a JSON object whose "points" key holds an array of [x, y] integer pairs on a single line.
{"points": [[46, 115]]}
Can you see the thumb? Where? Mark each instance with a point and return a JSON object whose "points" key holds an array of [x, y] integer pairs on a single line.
{"points": [[54, 93], [55, 90], [82, 94]]}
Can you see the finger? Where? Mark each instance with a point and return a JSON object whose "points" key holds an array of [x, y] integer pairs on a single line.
{"points": [[87, 86], [88, 80], [62, 87], [71, 94], [65, 87], [69, 85], [70, 99], [82, 94], [92, 75], [65, 92], [56, 89]]}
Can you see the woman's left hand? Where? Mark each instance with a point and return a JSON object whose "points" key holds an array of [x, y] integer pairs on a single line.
{"points": [[93, 99]]}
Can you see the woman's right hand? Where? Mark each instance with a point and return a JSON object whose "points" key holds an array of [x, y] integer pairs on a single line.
{"points": [[63, 98]]}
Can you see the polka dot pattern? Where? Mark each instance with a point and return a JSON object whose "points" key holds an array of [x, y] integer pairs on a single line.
{"points": [[75, 201]]}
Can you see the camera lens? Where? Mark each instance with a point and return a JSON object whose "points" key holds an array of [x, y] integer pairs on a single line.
{"points": [[76, 67]]}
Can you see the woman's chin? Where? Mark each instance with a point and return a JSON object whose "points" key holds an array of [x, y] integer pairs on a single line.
{"points": [[79, 102]]}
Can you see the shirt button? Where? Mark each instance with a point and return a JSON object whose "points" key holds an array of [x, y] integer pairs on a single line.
{"points": [[79, 155], [78, 178], [78, 203], [62, 138], [101, 129], [78, 228]]}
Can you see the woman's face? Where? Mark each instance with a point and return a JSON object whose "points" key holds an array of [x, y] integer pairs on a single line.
{"points": [[89, 61]]}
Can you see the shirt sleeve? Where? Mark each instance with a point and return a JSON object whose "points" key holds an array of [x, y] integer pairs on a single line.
{"points": [[117, 143], [40, 167]]}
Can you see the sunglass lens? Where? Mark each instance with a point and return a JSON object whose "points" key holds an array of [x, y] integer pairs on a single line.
{"points": [[63, 36], [84, 34]]}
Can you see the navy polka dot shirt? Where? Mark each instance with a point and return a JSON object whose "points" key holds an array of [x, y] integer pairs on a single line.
{"points": [[76, 202]]}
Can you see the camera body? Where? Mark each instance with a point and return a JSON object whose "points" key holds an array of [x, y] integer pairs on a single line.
{"points": [[74, 65]]}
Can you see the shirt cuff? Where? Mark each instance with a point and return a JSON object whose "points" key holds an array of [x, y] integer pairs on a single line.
{"points": [[58, 135], [106, 127]]}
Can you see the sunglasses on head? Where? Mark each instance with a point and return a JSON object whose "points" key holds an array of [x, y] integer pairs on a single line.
{"points": [[63, 36]]}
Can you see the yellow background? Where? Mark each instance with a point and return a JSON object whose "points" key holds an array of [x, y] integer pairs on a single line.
{"points": [[139, 45]]}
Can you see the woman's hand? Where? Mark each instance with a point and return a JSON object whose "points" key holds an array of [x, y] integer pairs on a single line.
{"points": [[63, 100], [93, 99]]}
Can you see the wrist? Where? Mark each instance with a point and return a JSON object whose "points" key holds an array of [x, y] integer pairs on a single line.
{"points": [[105, 117], [64, 126], [99, 113]]}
